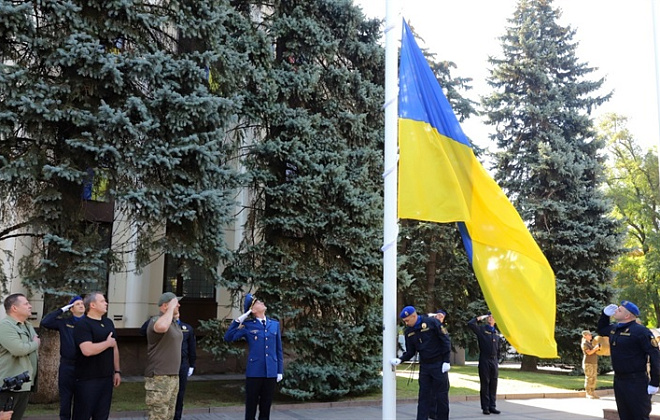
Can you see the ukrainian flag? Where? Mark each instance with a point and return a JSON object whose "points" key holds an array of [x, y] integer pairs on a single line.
{"points": [[440, 180]]}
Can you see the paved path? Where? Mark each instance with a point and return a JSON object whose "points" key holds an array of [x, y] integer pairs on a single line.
{"points": [[566, 406], [539, 404]]}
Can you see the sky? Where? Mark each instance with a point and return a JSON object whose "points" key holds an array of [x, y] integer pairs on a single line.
{"points": [[614, 36]]}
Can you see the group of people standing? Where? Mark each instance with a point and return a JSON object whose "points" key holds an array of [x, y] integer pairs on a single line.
{"points": [[90, 367], [633, 347], [427, 336]]}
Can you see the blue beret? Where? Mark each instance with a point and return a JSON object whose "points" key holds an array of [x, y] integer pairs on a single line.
{"points": [[407, 311], [74, 299], [441, 311], [249, 301], [631, 307]]}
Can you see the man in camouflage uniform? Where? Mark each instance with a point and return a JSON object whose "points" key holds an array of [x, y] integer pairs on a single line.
{"points": [[161, 376]]}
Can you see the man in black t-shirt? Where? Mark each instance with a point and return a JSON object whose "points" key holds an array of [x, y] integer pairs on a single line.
{"points": [[97, 361]]}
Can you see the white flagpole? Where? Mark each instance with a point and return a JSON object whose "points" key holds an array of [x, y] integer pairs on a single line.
{"points": [[654, 11], [390, 226]]}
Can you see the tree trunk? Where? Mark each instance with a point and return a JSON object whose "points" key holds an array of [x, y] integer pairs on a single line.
{"points": [[529, 363], [430, 282], [49, 362]]}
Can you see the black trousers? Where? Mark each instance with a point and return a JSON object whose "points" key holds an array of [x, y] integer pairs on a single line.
{"points": [[488, 373], [633, 401], [93, 398], [183, 381], [259, 392], [20, 402], [433, 400], [66, 383]]}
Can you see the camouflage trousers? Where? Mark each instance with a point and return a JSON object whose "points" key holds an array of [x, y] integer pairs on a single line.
{"points": [[590, 374], [161, 396]]}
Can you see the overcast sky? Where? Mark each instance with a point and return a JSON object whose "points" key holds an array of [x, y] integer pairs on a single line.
{"points": [[614, 36]]}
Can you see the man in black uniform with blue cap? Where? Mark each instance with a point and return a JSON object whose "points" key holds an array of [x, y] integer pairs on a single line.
{"points": [[66, 380], [632, 345], [489, 351], [425, 335]]}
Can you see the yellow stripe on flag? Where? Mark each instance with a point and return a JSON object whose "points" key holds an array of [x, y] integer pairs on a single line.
{"points": [[441, 180]]}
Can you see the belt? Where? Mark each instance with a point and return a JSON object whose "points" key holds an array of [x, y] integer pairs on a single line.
{"points": [[631, 375], [433, 360]]}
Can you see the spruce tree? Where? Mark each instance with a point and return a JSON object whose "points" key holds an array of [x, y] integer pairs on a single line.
{"points": [[108, 105], [312, 248], [550, 163]]}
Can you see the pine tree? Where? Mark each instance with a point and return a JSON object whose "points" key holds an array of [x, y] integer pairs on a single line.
{"points": [[549, 162], [314, 234], [107, 106]]}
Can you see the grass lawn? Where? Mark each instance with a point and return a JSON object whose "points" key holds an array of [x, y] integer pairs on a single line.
{"points": [[464, 380]]}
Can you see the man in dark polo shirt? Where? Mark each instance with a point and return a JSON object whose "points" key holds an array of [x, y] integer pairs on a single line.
{"points": [[97, 361], [161, 376]]}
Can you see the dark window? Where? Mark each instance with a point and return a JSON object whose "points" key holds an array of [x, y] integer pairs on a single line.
{"points": [[197, 284], [197, 289]]}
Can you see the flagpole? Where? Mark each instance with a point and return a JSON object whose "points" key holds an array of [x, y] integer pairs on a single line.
{"points": [[390, 226], [657, 62]]}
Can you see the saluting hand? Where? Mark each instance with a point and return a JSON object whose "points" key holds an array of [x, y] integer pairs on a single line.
{"points": [[610, 309], [66, 307], [241, 318]]}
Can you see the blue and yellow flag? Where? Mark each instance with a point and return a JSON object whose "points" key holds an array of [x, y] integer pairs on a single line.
{"points": [[440, 180]]}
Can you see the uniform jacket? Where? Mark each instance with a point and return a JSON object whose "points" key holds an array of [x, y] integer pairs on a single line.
{"points": [[188, 347], [489, 341], [630, 346], [428, 338], [65, 325], [18, 352], [265, 357]]}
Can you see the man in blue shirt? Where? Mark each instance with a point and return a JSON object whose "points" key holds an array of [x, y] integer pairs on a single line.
{"points": [[57, 320], [265, 365]]}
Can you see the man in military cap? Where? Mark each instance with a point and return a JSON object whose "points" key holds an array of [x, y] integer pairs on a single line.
{"points": [[58, 320], [440, 315], [631, 346], [489, 351], [161, 376], [426, 336], [589, 363], [265, 359]]}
